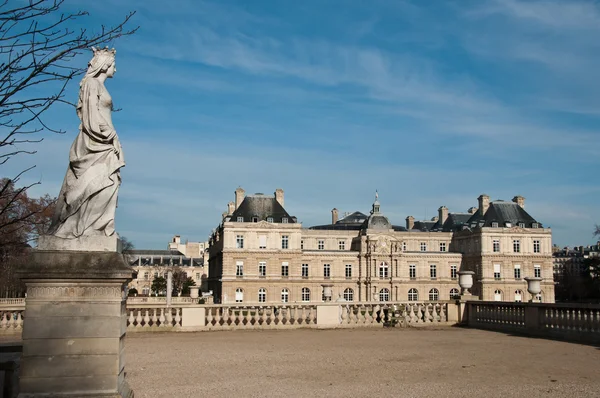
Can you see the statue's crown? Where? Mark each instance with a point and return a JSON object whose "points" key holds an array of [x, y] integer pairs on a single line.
{"points": [[104, 51]]}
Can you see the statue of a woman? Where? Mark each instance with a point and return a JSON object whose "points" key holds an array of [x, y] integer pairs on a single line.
{"points": [[88, 198]]}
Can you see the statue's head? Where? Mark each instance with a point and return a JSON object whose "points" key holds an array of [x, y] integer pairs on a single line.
{"points": [[103, 61]]}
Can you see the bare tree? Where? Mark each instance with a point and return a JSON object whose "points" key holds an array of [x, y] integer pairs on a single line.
{"points": [[37, 48], [597, 230]]}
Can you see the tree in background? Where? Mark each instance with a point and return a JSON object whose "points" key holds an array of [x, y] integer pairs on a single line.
{"points": [[37, 48], [181, 283], [159, 286], [22, 220]]}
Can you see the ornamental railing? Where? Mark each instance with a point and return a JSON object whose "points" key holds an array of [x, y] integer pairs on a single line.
{"points": [[574, 322]]}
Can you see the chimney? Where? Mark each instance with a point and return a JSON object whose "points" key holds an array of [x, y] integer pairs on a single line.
{"points": [[443, 214], [177, 239], [334, 215], [279, 196], [484, 203], [472, 210], [520, 201], [239, 197], [435, 218], [230, 208], [410, 222]]}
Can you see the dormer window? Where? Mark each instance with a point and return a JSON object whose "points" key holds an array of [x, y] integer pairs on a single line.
{"points": [[535, 225], [521, 225], [494, 225], [507, 224], [284, 220], [240, 219], [255, 219], [269, 219]]}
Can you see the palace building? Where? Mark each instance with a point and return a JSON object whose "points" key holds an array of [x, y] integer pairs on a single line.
{"points": [[261, 254]]}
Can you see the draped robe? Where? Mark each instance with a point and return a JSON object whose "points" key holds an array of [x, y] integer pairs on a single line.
{"points": [[88, 198]]}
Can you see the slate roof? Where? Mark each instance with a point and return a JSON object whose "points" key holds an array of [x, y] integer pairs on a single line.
{"points": [[261, 206], [454, 222], [502, 212], [352, 222]]}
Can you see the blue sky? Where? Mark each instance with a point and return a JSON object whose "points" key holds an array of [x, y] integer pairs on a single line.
{"points": [[431, 103]]}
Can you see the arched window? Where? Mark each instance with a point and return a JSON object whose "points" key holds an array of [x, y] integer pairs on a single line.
{"points": [[434, 294], [454, 293], [497, 295], [285, 295], [239, 295], [413, 295], [262, 295], [383, 270], [518, 296], [384, 295], [305, 294], [349, 294]]}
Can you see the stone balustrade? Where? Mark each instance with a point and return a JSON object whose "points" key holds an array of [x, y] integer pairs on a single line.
{"points": [[149, 316], [574, 322]]}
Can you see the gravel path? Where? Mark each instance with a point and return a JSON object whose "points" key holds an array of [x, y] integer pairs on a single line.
{"points": [[358, 363]]}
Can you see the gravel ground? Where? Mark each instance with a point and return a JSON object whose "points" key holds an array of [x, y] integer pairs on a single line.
{"points": [[358, 363]]}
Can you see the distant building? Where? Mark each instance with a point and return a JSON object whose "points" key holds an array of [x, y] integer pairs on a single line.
{"points": [[260, 253], [149, 264], [572, 260]]}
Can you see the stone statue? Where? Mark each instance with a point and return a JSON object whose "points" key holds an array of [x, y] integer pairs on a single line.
{"points": [[88, 198]]}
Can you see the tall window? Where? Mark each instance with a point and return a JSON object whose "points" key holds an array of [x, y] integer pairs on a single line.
{"points": [[517, 271], [412, 271], [442, 246], [239, 241], [285, 269], [262, 295], [433, 271], [302, 244], [348, 294], [518, 296], [305, 294], [321, 244], [434, 294], [536, 246], [239, 295], [284, 220], [383, 270], [348, 271], [403, 246], [453, 269], [262, 241], [285, 295], [537, 271], [413, 295], [516, 246], [497, 295], [285, 239], [454, 293], [305, 270], [262, 268], [384, 295], [496, 244], [342, 245], [269, 219], [239, 268], [423, 246], [240, 219], [497, 272], [156, 274], [326, 271], [146, 276]]}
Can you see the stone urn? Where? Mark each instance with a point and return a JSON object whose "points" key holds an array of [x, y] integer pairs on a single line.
{"points": [[194, 291], [533, 287], [327, 292], [465, 281]]}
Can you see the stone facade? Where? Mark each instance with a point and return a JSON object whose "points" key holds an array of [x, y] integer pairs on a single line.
{"points": [[261, 254]]}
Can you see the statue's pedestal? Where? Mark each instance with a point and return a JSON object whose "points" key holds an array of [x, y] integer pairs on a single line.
{"points": [[75, 323]]}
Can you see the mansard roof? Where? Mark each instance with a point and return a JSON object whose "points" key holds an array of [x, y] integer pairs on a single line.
{"points": [[454, 222], [351, 222], [503, 212], [262, 207]]}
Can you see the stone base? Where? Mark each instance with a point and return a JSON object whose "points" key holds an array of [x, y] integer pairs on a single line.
{"points": [[93, 243], [74, 325]]}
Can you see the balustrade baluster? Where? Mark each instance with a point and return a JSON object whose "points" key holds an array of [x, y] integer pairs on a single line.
{"points": [[177, 317], [344, 314], [209, 317], [169, 315], [131, 319], [218, 316], [412, 316], [161, 317], [3, 321], [596, 320], [19, 320], [138, 318], [155, 317], [434, 314]]}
